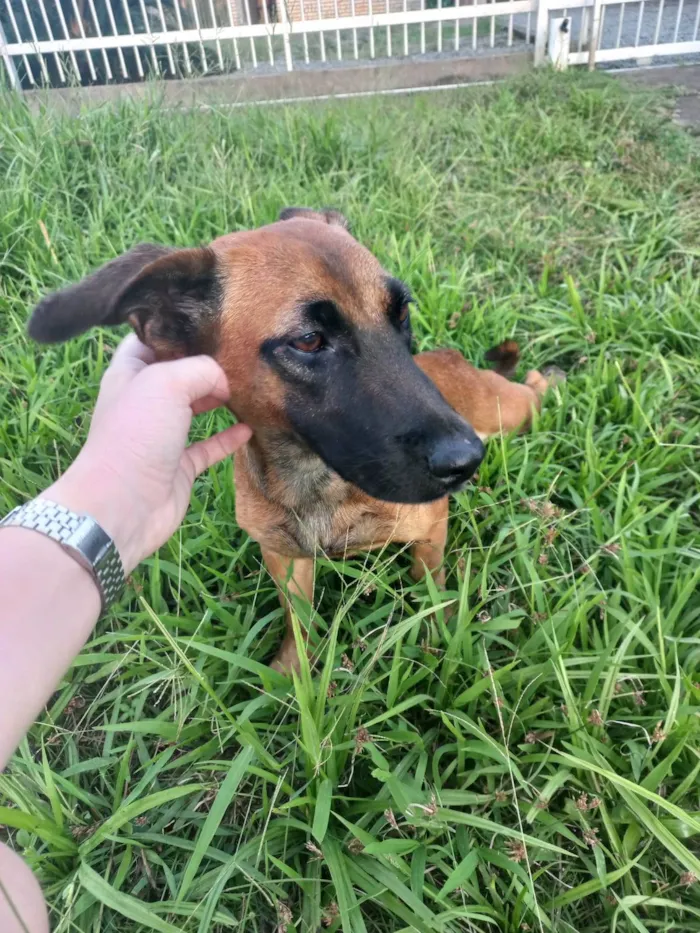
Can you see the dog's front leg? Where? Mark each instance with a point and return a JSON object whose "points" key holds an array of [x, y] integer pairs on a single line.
{"points": [[294, 576], [428, 553]]}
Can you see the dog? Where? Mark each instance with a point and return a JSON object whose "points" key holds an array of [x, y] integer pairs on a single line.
{"points": [[356, 443]]}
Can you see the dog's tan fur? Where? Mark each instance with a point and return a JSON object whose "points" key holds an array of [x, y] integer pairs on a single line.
{"points": [[287, 498]]}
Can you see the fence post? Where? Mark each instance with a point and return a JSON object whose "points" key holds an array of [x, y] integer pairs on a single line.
{"points": [[12, 75], [286, 40], [288, 51], [595, 34], [541, 30]]}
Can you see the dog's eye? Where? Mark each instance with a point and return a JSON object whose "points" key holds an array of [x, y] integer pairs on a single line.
{"points": [[404, 314], [309, 343]]}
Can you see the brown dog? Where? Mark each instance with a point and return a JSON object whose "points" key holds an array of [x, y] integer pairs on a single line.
{"points": [[356, 443]]}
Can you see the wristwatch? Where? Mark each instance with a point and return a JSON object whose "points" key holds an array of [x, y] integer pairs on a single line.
{"points": [[80, 536]]}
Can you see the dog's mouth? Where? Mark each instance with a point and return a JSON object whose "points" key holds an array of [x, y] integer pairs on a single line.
{"points": [[405, 469], [411, 478]]}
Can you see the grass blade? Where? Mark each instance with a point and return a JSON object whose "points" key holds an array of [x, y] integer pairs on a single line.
{"points": [[236, 773], [124, 904], [322, 811]]}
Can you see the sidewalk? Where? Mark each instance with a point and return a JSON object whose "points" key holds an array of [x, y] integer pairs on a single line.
{"points": [[685, 79]]}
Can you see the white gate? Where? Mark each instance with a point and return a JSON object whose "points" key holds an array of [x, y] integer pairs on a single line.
{"points": [[603, 32]]}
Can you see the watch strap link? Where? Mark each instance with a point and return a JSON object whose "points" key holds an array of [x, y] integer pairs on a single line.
{"points": [[81, 536]]}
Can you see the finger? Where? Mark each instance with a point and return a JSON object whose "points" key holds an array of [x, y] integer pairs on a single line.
{"points": [[189, 380], [132, 350], [203, 454], [130, 358], [208, 403]]}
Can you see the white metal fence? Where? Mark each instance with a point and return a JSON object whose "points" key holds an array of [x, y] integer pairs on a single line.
{"points": [[62, 42], [603, 32]]}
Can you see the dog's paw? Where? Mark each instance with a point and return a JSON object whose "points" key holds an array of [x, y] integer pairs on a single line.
{"points": [[286, 665]]}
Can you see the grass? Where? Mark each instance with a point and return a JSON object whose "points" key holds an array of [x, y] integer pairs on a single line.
{"points": [[532, 764]]}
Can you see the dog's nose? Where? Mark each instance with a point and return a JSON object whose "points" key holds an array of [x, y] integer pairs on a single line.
{"points": [[454, 459]]}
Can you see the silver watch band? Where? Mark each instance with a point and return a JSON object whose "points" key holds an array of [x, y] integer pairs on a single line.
{"points": [[80, 536]]}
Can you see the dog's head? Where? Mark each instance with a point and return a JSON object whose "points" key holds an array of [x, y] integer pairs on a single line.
{"points": [[313, 335]]}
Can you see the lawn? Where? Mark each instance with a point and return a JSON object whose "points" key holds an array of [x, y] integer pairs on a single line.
{"points": [[531, 764]]}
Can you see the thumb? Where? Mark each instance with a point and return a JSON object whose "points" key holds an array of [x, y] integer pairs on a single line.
{"points": [[203, 454], [130, 358], [190, 379]]}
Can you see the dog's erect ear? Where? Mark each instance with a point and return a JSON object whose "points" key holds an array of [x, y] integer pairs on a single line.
{"points": [[171, 297], [325, 216]]}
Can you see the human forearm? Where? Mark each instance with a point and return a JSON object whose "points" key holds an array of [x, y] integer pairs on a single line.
{"points": [[49, 606]]}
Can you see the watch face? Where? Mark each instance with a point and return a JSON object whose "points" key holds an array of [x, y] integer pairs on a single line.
{"points": [[90, 540], [99, 551]]}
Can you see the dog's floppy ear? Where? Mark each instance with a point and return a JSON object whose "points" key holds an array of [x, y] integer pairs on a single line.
{"points": [[325, 216], [171, 297]]}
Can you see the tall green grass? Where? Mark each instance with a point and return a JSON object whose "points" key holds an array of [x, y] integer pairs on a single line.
{"points": [[530, 764]]}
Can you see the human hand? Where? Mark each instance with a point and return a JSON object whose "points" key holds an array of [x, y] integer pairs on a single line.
{"points": [[135, 473]]}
